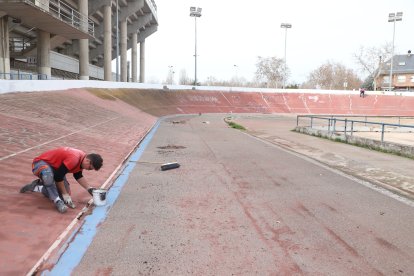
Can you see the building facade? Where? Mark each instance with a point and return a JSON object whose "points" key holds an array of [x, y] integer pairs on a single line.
{"points": [[75, 39], [402, 74]]}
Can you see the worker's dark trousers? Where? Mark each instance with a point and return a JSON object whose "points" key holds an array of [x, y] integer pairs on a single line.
{"points": [[45, 172]]}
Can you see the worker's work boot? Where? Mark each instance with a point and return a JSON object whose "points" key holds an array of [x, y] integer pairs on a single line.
{"points": [[30, 187], [61, 207]]}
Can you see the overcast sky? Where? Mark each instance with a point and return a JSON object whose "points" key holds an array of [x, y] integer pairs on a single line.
{"points": [[236, 32]]}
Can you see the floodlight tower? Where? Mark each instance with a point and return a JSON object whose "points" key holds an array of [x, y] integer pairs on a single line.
{"points": [[195, 12], [285, 26], [392, 17]]}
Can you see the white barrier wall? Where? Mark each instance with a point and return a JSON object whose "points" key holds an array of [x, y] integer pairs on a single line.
{"points": [[70, 64], [7, 86]]}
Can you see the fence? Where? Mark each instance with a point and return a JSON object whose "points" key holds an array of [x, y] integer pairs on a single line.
{"points": [[349, 125], [23, 76], [66, 13]]}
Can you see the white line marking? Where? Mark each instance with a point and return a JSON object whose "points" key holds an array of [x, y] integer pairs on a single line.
{"points": [[45, 143]]}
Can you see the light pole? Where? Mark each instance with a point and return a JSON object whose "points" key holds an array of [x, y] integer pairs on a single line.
{"points": [[171, 73], [195, 12], [392, 17], [235, 80], [378, 73], [236, 67], [285, 26], [117, 42]]}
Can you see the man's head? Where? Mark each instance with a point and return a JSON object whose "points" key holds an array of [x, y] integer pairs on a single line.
{"points": [[92, 161]]}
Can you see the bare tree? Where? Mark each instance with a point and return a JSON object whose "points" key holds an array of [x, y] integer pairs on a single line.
{"points": [[170, 76], [369, 59], [238, 81], [270, 71], [184, 79], [153, 80], [332, 76]]}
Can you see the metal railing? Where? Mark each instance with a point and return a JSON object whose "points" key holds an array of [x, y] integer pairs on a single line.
{"points": [[153, 7], [349, 126], [20, 44], [152, 2], [23, 76], [66, 13]]}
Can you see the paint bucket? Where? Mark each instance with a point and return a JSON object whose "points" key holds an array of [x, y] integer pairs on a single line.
{"points": [[99, 197]]}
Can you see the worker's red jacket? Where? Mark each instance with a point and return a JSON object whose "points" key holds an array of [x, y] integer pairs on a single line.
{"points": [[63, 160]]}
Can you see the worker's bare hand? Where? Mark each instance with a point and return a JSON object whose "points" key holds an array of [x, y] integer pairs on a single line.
{"points": [[68, 201]]}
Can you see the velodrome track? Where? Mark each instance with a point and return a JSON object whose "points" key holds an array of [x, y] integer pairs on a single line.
{"points": [[112, 121]]}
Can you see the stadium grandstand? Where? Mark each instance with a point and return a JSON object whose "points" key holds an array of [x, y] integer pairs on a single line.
{"points": [[75, 39]]}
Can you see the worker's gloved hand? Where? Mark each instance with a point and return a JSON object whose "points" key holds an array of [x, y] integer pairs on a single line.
{"points": [[68, 201], [90, 190]]}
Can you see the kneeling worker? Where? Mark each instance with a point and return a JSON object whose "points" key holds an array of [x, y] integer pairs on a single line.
{"points": [[51, 168]]}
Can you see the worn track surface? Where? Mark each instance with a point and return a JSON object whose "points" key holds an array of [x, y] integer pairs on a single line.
{"points": [[242, 206], [112, 122], [31, 123]]}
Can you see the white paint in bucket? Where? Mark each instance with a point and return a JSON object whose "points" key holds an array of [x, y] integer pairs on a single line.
{"points": [[99, 197]]}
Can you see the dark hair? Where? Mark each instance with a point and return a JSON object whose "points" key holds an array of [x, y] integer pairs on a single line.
{"points": [[96, 160]]}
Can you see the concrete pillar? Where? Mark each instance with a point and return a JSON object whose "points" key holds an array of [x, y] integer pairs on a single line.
{"points": [[123, 49], [134, 55], [107, 43], [43, 47], [84, 43], [43, 54], [142, 61], [4, 48]]}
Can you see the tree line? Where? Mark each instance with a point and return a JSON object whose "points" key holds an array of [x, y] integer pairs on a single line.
{"points": [[331, 75]]}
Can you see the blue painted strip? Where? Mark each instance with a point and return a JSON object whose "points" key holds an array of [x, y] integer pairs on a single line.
{"points": [[72, 256]]}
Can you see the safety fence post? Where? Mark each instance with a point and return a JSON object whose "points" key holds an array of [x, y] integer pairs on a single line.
{"points": [[345, 127], [352, 128]]}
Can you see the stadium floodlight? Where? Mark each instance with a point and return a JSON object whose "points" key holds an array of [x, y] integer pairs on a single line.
{"points": [[195, 12], [285, 26], [393, 17]]}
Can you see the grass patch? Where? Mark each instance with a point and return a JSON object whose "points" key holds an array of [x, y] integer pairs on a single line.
{"points": [[235, 125]]}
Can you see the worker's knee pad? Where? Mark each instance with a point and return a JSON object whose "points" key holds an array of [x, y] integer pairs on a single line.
{"points": [[47, 178]]}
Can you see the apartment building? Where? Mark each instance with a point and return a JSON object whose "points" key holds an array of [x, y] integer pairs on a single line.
{"points": [[402, 74]]}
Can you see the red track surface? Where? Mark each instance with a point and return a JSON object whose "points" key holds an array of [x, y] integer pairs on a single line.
{"points": [[31, 123], [300, 103]]}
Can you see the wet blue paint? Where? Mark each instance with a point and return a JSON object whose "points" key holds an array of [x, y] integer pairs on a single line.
{"points": [[75, 251]]}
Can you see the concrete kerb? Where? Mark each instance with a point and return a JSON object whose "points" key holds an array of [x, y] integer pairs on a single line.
{"points": [[388, 147]]}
